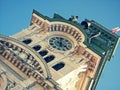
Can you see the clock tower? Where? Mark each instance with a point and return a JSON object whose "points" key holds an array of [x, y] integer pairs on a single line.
{"points": [[55, 54]]}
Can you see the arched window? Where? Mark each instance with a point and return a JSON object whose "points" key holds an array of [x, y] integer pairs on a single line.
{"points": [[27, 41], [43, 52], [49, 58], [37, 47], [58, 66]]}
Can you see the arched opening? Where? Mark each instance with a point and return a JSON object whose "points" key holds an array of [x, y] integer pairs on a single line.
{"points": [[49, 58], [37, 47], [43, 52], [27, 41], [58, 66]]}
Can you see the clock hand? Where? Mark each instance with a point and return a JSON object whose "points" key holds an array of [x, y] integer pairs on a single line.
{"points": [[61, 44], [64, 44]]}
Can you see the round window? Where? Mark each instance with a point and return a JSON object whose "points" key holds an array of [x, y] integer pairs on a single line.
{"points": [[60, 43]]}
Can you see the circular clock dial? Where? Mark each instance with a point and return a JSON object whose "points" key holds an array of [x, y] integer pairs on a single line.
{"points": [[60, 43]]}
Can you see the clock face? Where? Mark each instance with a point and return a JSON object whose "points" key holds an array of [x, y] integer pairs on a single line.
{"points": [[60, 43]]}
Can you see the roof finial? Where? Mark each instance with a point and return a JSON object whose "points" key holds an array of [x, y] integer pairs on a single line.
{"points": [[73, 18]]}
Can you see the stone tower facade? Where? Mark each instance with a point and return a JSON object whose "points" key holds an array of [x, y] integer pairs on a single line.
{"points": [[55, 54]]}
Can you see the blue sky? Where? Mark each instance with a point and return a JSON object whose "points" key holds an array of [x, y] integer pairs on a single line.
{"points": [[15, 15]]}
